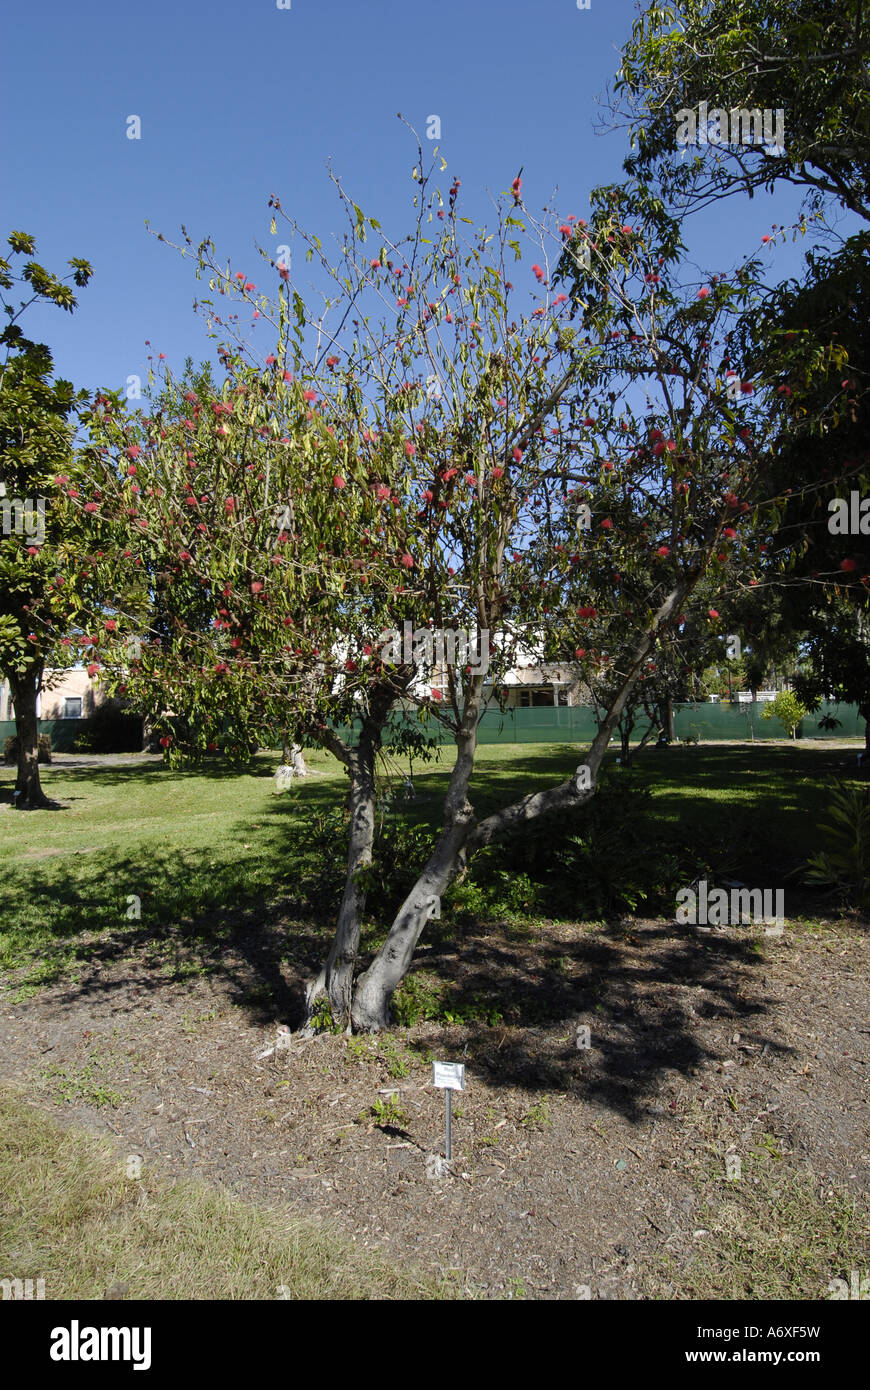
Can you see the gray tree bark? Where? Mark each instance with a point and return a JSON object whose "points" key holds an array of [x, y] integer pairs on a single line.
{"points": [[335, 982], [462, 835]]}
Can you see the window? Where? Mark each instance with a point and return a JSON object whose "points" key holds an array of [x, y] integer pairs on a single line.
{"points": [[536, 696], [72, 707]]}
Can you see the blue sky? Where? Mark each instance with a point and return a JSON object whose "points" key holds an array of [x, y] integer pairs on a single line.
{"points": [[241, 100]]}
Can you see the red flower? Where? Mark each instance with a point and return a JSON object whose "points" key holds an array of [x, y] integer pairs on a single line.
{"points": [[517, 454], [729, 533], [712, 612], [408, 561], [436, 694], [607, 524], [848, 565], [587, 612], [338, 481], [538, 273], [133, 452], [110, 625], [165, 741], [580, 653], [498, 472], [703, 292], [230, 504], [256, 586], [410, 449], [309, 395], [92, 507], [663, 550]]}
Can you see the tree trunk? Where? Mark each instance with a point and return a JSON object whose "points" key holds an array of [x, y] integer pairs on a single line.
{"points": [[371, 999], [669, 719], [28, 795], [462, 836], [335, 981], [625, 746]]}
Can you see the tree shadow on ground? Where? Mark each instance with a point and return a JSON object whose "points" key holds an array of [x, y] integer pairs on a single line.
{"points": [[633, 987], [647, 995]]}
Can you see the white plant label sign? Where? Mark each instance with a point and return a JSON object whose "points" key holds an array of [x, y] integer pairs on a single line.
{"points": [[449, 1075]]}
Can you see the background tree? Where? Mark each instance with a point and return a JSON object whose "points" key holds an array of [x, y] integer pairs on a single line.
{"points": [[807, 57], [37, 601], [808, 337]]}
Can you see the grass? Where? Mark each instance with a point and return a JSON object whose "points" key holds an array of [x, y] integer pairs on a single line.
{"points": [[85, 1085], [200, 848], [776, 1233], [69, 1214]]}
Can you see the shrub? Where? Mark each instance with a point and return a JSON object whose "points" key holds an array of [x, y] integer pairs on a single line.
{"points": [[109, 731], [788, 709], [604, 857], [10, 749], [844, 862]]}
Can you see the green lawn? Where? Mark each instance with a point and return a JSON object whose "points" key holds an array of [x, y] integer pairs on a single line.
{"points": [[199, 848]]}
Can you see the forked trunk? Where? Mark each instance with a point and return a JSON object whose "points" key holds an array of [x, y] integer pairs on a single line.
{"points": [[462, 835]]}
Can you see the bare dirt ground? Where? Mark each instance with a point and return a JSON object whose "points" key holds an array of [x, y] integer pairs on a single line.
{"points": [[578, 1171]]}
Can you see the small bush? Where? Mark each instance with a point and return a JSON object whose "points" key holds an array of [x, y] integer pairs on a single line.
{"points": [[844, 862], [788, 709], [109, 731], [607, 856], [10, 749]]}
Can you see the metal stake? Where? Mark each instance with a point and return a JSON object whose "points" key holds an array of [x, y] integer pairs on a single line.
{"points": [[448, 1115]]}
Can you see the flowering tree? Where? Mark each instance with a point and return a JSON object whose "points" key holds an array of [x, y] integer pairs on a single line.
{"points": [[414, 450]]}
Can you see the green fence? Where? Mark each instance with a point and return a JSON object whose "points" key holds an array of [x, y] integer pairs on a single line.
{"points": [[576, 724], [562, 724]]}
